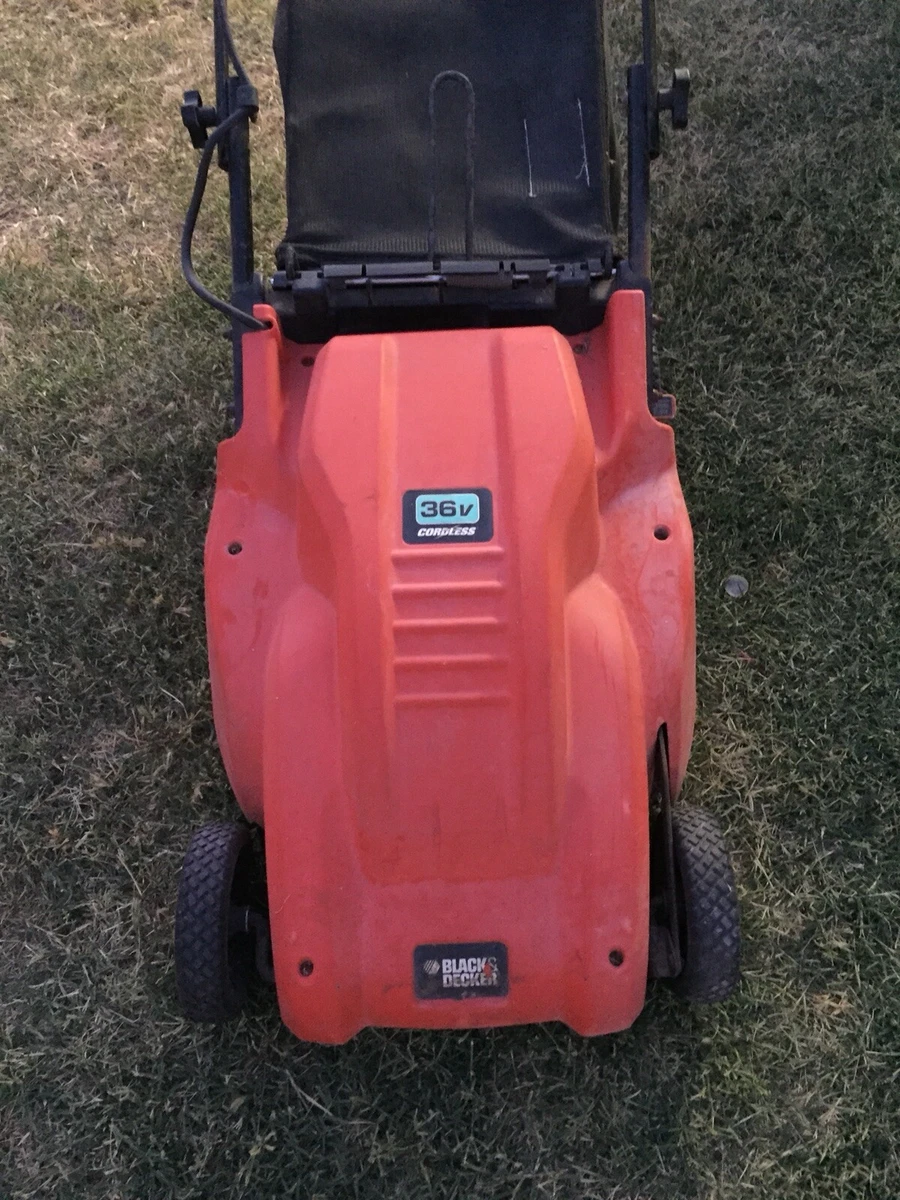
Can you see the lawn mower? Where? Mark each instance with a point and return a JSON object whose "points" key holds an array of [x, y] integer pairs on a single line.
{"points": [[449, 567]]}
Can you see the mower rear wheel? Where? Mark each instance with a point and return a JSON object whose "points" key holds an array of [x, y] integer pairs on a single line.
{"points": [[212, 964], [708, 916]]}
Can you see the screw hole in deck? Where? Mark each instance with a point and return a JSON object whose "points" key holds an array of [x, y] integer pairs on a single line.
{"points": [[616, 957], [235, 548], [661, 532], [306, 967]]}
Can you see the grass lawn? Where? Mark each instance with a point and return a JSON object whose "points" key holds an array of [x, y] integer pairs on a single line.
{"points": [[778, 270]]}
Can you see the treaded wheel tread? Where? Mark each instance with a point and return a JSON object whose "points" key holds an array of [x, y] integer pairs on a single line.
{"points": [[712, 922], [207, 987]]}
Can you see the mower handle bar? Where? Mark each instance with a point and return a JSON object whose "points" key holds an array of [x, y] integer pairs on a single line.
{"points": [[244, 113]]}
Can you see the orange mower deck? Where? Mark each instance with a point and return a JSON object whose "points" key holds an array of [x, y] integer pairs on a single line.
{"points": [[448, 742]]}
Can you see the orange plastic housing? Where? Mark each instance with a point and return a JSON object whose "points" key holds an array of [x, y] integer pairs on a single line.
{"points": [[449, 743]]}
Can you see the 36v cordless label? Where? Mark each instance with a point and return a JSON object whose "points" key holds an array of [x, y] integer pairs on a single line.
{"points": [[432, 518]]}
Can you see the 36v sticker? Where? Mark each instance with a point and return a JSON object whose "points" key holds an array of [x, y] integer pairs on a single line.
{"points": [[431, 518], [460, 970]]}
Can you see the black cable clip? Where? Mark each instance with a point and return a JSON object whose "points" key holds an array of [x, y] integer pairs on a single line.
{"points": [[198, 118], [675, 99]]}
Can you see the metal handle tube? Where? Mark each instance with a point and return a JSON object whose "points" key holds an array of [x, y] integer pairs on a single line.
{"points": [[638, 173]]}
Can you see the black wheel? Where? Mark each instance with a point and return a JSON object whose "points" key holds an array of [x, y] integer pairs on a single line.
{"points": [[212, 964], [708, 909]]}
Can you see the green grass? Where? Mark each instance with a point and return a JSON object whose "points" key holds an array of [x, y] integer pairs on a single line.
{"points": [[777, 261]]}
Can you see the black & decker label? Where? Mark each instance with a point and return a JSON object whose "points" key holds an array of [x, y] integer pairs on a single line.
{"points": [[460, 970]]}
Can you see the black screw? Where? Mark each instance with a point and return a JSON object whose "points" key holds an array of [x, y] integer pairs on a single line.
{"points": [[235, 548], [306, 967], [616, 957], [661, 532]]}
